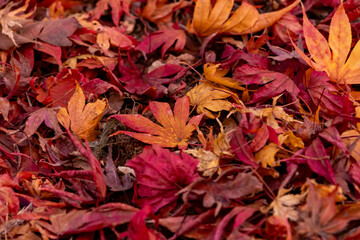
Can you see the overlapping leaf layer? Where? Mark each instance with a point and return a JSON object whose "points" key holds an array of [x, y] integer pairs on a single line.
{"points": [[189, 119]]}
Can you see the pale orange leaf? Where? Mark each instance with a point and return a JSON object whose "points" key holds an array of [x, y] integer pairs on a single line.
{"points": [[174, 130]]}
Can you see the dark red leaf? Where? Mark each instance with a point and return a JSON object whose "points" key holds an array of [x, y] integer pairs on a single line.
{"points": [[94, 163], [165, 38], [150, 84], [160, 174]]}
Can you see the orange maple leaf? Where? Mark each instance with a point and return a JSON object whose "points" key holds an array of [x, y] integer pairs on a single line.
{"points": [[330, 56], [159, 11], [80, 118], [215, 74], [210, 19], [174, 130]]}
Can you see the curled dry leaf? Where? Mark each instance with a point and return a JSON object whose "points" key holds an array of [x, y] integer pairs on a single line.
{"points": [[10, 20], [82, 119], [160, 11], [212, 152], [210, 19], [4, 108], [215, 74]]}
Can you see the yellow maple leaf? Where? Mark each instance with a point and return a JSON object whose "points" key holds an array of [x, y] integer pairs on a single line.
{"points": [[284, 204], [271, 113], [293, 142], [208, 161], [330, 56], [215, 74], [82, 119], [210, 19], [266, 156], [213, 150], [209, 99]]}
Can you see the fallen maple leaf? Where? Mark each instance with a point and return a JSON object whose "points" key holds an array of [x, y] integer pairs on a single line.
{"points": [[117, 8], [209, 99], [320, 217], [273, 112], [266, 156], [151, 83], [287, 24], [106, 36], [80, 118], [46, 115], [58, 89], [92, 61], [51, 50], [4, 108], [159, 11], [277, 228], [10, 20], [137, 228], [212, 152], [210, 19], [331, 56], [216, 75], [113, 36], [9, 202], [98, 176], [221, 192], [351, 139], [324, 94], [88, 220], [317, 159], [208, 161], [57, 31], [281, 84], [174, 131], [160, 174], [284, 204], [293, 142], [165, 38]]}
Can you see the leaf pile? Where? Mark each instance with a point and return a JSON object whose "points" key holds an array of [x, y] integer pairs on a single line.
{"points": [[126, 119]]}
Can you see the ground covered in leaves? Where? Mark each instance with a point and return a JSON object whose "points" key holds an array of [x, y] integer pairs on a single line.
{"points": [[161, 119]]}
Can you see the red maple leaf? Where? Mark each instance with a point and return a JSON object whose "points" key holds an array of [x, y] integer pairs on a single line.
{"points": [[160, 174], [165, 38]]}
